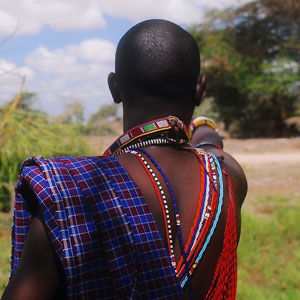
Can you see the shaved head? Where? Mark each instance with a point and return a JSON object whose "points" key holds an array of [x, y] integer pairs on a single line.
{"points": [[157, 59]]}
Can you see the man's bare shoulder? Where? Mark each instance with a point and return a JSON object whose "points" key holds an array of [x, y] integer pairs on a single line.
{"points": [[235, 172]]}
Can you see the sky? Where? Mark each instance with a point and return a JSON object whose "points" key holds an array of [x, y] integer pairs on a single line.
{"points": [[65, 48]]}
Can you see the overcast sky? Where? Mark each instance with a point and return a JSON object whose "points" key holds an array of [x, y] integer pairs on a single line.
{"points": [[65, 48]]}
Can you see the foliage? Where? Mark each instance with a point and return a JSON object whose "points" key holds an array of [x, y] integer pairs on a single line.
{"points": [[107, 112], [101, 129], [25, 133], [5, 245], [251, 59], [206, 108], [100, 122], [73, 114]]}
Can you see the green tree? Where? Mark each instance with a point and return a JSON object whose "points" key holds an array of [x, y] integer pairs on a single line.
{"points": [[251, 59], [106, 121], [73, 114]]}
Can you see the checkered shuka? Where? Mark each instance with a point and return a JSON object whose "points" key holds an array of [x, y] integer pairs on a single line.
{"points": [[102, 231]]}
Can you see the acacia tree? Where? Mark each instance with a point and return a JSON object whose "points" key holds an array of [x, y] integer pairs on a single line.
{"points": [[251, 58]]}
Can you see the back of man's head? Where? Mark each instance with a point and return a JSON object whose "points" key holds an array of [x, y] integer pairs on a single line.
{"points": [[157, 60]]}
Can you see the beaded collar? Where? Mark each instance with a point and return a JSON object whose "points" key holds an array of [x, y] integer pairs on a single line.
{"points": [[168, 130]]}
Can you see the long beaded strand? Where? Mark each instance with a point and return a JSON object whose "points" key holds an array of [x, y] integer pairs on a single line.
{"points": [[216, 218], [176, 212], [201, 211], [163, 203], [165, 210], [205, 226]]}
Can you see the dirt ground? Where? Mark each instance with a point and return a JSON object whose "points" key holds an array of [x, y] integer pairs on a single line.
{"points": [[272, 166]]}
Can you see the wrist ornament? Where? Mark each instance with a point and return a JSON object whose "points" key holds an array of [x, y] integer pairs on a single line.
{"points": [[202, 121]]}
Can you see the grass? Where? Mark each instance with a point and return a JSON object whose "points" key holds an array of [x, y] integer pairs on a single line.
{"points": [[5, 246], [269, 251], [268, 254]]}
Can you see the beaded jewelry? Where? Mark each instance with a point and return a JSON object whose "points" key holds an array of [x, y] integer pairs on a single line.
{"points": [[168, 130], [163, 203], [203, 229], [166, 212], [152, 142], [220, 203], [176, 212], [171, 131], [202, 121], [203, 218]]}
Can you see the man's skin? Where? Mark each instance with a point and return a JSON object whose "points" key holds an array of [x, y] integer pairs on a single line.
{"points": [[39, 275]]}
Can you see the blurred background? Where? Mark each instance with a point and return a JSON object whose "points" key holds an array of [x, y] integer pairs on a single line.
{"points": [[54, 60]]}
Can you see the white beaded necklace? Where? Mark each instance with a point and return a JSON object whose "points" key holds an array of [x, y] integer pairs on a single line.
{"points": [[165, 206], [150, 142]]}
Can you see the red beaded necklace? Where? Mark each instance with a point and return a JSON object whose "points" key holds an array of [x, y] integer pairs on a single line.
{"points": [[168, 130]]}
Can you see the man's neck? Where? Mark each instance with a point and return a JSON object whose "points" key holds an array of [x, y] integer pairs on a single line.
{"points": [[131, 120]]}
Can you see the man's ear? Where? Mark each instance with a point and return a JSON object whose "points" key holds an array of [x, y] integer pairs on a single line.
{"points": [[113, 87], [200, 89]]}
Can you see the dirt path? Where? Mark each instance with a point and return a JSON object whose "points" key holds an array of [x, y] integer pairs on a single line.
{"points": [[257, 159], [272, 168]]}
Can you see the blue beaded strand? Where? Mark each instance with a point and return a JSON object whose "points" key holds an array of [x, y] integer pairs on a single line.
{"points": [[184, 254], [221, 193]]}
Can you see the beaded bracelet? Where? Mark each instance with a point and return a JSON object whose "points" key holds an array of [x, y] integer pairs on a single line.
{"points": [[202, 121]]}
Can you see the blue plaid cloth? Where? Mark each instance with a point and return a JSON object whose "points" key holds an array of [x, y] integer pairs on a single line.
{"points": [[100, 227]]}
